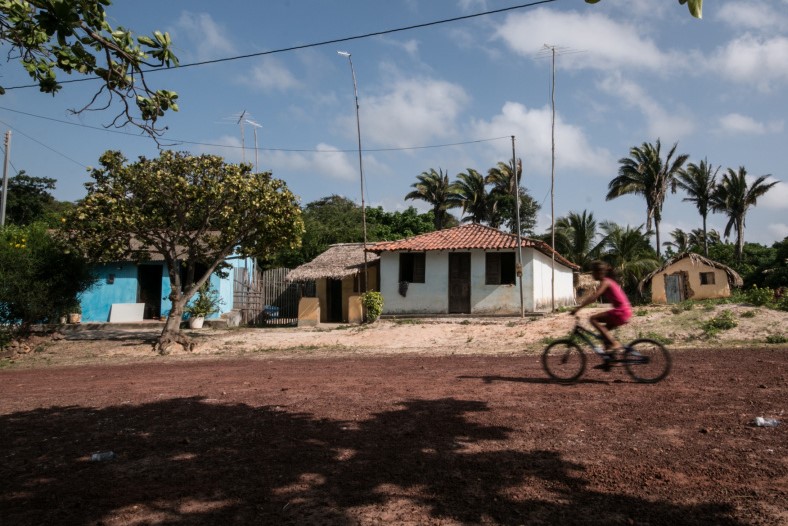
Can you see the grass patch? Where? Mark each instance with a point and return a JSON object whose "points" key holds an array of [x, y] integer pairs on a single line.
{"points": [[406, 321], [657, 337], [749, 314], [641, 312], [721, 322], [777, 338]]}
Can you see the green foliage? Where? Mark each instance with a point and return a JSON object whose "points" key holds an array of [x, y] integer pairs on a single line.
{"points": [[682, 307], [206, 303], [722, 322], [759, 296], [28, 198], [749, 314], [695, 6], [373, 305], [194, 209], [657, 337], [75, 37], [641, 312], [782, 304], [777, 338], [40, 278]]}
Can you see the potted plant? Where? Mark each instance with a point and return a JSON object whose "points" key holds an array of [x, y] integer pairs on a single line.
{"points": [[206, 303], [74, 312]]}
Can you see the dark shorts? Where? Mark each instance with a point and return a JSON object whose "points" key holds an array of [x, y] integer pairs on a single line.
{"points": [[615, 318]]}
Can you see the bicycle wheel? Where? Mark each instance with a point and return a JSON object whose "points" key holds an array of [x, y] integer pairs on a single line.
{"points": [[647, 361], [563, 360]]}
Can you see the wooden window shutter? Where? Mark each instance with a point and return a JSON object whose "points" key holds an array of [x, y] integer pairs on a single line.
{"points": [[419, 262], [493, 269]]}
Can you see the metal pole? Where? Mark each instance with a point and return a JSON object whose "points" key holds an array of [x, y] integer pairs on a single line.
{"points": [[360, 166], [552, 187], [519, 233], [5, 177]]}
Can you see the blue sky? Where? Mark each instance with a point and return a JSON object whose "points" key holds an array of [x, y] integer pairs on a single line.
{"points": [[448, 96]]}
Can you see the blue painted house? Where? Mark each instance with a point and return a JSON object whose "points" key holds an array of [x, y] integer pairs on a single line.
{"points": [[127, 282]]}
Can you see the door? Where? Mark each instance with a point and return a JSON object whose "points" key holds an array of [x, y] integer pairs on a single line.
{"points": [[460, 283], [149, 289], [674, 288], [334, 287]]}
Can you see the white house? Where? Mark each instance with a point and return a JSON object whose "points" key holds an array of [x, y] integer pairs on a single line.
{"points": [[471, 269]]}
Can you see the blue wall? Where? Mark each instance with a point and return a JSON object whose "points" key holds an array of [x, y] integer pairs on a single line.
{"points": [[97, 302]]}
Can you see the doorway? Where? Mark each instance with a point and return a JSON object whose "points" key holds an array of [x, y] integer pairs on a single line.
{"points": [[334, 300], [674, 288], [149, 290], [460, 283]]}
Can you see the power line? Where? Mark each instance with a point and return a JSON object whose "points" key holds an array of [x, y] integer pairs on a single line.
{"points": [[316, 44], [288, 150], [44, 145]]}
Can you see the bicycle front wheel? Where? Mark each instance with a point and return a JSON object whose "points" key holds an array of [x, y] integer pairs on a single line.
{"points": [[647, 361], [563, 360]]}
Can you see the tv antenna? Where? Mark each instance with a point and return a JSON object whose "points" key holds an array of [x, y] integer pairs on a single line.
{"points": [[254, 125], [243, 145]]}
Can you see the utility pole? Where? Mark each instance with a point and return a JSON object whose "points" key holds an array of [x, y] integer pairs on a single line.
{"points": [[516, 170], [5, 177]]}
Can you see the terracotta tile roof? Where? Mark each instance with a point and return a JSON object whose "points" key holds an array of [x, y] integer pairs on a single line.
{"points": [[466, 237]]}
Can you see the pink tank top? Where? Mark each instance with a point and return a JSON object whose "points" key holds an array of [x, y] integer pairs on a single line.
{"points": [[615, 295]]}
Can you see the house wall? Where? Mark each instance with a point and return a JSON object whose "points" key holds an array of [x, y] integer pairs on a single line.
{"points": [[694, 290], [432, 297], [97, 302]]}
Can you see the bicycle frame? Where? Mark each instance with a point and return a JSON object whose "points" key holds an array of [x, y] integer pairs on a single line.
{"points": [[586, 335]]}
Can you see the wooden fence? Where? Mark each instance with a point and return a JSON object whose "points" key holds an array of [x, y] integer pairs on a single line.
{"points": [[264, 298]]}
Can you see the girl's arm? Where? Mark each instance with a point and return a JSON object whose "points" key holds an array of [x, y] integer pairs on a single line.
{"points": [[593, 297]]}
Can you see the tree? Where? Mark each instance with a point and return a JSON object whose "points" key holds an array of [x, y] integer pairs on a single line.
{"points": [[75, 37], [644, 173], [502, 199], [681, 242], [434, 188], [389, 226], [469, 193], [40, 277], [629, 252], [190, 210], [28, 198], [699, 181], [733, 197], [576, 238], [695, 6]]}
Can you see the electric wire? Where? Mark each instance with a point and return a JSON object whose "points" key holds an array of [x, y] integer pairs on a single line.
{"points": [[315, 44]]}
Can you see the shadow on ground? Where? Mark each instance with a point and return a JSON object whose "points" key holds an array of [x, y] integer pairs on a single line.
{"points": [[196, 461]]}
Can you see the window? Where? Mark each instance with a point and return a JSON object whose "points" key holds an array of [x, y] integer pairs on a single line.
{"points": [[707, 278], [500, 268], [411, 267]]}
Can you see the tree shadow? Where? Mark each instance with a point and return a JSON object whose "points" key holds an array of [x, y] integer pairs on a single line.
{"points": [[489, 379], [195, 461]]}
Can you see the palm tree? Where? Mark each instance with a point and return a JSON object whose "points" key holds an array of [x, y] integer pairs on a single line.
{"points": [[698, 237], [733, 196], [503, 192], [699, 181], [575, 238], [469, 192], [644, 173], [682, 242], [629, 252], [434, 188]]}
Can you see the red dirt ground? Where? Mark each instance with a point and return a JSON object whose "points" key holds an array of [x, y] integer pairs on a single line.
{"points": [[441, 440]]}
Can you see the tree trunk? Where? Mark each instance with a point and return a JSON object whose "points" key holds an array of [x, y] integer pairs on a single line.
{"points": [[739, 241], [705, 239], [172, 337], [656, 231]]}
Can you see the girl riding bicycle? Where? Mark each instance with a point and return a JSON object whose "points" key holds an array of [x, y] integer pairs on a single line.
{"points": [[611, 292]]}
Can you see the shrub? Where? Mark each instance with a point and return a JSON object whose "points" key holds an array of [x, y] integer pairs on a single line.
{"points": [[782, 304], [722, 322], [373, 305], [759, 297], [776, 338], [651, 335], [206, 303], [749, 314]]}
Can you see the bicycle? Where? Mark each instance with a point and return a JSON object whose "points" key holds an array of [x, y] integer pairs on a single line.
{"points": [[645, 360]]}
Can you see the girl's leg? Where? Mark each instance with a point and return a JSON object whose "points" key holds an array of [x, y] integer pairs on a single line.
{"points": [[599, 322]]}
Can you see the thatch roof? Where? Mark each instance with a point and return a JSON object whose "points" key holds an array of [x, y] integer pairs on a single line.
{"points": [[339, 261], [733, 277], [585, 281]]}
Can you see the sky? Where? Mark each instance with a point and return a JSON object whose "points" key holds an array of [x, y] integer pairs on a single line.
{"points": [[446, 96]]}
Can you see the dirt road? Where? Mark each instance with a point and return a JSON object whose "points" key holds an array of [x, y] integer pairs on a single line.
{"points": [[399, 439]]}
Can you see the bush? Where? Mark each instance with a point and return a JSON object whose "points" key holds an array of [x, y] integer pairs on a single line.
{"points": [[373, 305], [776, 338], [40, 277], [206, 303], [722, 322], [759, 296]]}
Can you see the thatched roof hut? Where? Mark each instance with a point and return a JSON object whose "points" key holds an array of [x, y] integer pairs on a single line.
{"points": [[734, 279], [337, 262]]}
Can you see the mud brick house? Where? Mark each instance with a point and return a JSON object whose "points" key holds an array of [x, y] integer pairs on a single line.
{"points": [[690, 276]]}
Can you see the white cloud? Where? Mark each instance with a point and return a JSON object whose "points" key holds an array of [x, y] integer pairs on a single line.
{"points": [[778, 231], [752, 15], [670, 125], [762, 62], [327, 162], [413, 112], [776, 197], [271, 75], [202, 36], [605, 43], [735, 123], [531, 128]]}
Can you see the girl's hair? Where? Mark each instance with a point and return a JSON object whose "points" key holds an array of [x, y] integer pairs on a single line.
{"points": [[605, 268]]}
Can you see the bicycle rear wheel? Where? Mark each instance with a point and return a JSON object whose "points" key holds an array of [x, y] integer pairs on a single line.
{"points": [[563, 360], [647, 361]]}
